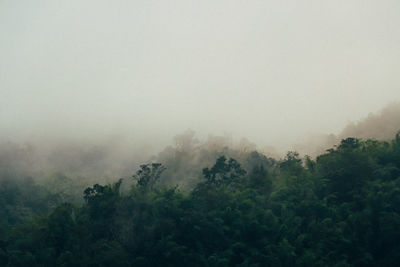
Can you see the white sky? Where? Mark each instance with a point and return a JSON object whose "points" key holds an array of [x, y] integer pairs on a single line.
{"points": [[266, 70]]}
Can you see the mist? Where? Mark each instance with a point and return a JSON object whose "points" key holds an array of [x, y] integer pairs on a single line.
{"points": [[95, 89], [267, 71], [199, 133], [92, 90]]}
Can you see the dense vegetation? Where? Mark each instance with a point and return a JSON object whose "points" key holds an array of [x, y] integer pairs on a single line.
{"points": [[341, 209]]}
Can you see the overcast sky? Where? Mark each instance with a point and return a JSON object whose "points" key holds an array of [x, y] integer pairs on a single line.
{"points": [[266, 70]]}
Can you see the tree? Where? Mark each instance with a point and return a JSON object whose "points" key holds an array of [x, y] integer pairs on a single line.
{"points": [[291, 164], [100, 191], [260, 180], [148, 175], [224, 173]]}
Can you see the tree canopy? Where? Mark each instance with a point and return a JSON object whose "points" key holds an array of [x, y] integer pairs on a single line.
{"points": [[340, 209]]}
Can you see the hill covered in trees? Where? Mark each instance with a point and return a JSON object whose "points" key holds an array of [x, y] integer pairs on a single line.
{"points": [[381, 125], [340, 209]]}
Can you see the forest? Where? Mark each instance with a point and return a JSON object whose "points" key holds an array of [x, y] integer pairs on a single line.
{"points": [[341, 208], [199, 133]]}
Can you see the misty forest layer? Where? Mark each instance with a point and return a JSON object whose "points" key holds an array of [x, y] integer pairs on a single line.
{"points": [[341, 209], [93, 92]]}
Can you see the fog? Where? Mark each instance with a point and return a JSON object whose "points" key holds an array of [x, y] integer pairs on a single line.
{"points": [[199, 133], [141, 72], [382, 125]]}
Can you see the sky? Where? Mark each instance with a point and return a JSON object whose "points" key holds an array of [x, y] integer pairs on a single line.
{"points": [[270, 71]]}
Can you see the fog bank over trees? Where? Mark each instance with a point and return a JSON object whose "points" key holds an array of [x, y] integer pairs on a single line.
{"points": [[107, 159], [382, 125], [199, 133], [269, 71]]}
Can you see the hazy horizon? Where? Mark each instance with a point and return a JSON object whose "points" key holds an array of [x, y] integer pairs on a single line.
{"points": [[269, 71]]}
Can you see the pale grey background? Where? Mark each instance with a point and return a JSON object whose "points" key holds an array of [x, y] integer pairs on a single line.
{"points": [[270, 71]]}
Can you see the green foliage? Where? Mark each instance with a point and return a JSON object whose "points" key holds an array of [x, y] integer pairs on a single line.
{"points": [[341, 209], [99, 191], [148, 175], [224, 173]]}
